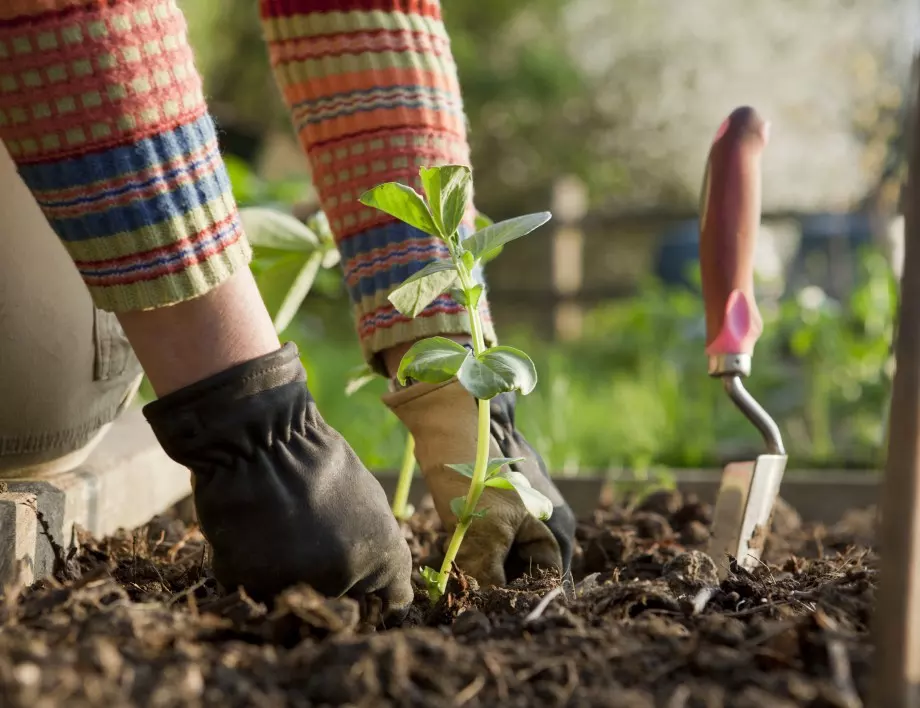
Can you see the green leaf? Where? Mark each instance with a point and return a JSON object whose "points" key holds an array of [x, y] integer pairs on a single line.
{"points": [[497, 235], [535, 502], [319, 222], [449, 189], [402, 202], [419, 290], [465, 469], [331, 258], [269, 228], [468, 260], [481, 221], [297, 293], [457, 504], [496, 464], [496, 371], [513, 366], [432, 580], [480, 380], [432, 360], [285, 283], [460, 296], [358, 378], [490, 256]]}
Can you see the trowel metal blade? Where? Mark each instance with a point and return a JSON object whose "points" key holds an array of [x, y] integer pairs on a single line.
{"points": [[741, 519]]}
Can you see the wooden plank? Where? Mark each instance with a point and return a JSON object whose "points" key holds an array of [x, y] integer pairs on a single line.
{"points": [[818, 495], [897, 618]]}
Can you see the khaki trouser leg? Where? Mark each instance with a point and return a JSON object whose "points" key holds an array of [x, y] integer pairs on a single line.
{"points": [[66, 369]]}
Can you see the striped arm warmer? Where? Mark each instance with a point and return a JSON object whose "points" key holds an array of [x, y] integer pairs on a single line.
{"points": [[101, 107], [373, 94]]}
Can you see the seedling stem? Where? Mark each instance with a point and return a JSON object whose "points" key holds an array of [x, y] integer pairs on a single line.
{"points": [[401, 509], [486, 371]]}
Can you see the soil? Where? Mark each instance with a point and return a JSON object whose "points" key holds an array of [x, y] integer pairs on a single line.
{"points": [[137, 620]]}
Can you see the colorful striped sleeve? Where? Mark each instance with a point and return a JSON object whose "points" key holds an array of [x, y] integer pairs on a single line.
{"points": [[102, 109], [373, 94]]}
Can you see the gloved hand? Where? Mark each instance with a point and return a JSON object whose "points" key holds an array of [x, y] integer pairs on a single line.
{"points": [[507, 542], [280, 495]]}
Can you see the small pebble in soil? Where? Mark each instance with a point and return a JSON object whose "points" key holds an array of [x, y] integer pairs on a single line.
{"points": [[692, 510], [607, 550], [664, 502], [694, 533], [469, 623], [690, 571], [652, 526]]}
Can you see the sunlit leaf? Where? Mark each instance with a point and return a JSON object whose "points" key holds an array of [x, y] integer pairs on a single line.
{"points": [[490, 256], [497, 235], [471, 300], [331, 258], [432, 580], [482, 221], [496, 464], [358, 378], [285, 284], [513, 365], [432, 360], [420, 289], [270, 228], [498, 370], [465, 469], [536, 503], [475, 295], [402, 202], [458, 504], [449, 189], [480, 380]]}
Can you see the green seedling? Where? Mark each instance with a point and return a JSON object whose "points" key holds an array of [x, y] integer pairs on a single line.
{"points": [[484, 372], [288, 255], [402, 509]]}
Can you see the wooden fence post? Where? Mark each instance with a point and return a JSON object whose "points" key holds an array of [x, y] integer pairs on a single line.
{"points": [[897, 606], [569, 206]]}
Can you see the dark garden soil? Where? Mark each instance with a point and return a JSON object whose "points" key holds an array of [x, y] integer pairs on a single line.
{"points": [[136, 620]]}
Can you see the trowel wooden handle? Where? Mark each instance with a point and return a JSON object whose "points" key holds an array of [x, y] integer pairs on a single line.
{"points": [[729, 220]]}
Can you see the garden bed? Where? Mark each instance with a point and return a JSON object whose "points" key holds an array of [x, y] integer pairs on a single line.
{"points": [[137, 620]]}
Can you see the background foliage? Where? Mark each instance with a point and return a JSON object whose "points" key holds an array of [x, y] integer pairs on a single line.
{"points": [[624, 95]]}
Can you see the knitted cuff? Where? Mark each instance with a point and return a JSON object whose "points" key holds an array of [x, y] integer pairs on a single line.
{"points": [[373, 94], [101, 108]]}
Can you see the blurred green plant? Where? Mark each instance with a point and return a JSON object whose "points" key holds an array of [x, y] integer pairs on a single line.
{"points": [[633, 392]]}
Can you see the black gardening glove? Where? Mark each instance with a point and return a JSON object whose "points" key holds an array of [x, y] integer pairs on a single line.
{"points": [[513, 444], [280, 495]]}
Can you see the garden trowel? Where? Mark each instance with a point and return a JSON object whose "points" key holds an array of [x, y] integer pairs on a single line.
{"points": [[729, 221]]}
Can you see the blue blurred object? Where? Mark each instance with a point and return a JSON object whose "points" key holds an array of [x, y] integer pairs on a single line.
{"points": [[817, 229], [678, 253], [828, 252]]}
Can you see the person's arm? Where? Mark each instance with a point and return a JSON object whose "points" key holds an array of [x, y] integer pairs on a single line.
{"points": [[373, 94], [101, 107]]}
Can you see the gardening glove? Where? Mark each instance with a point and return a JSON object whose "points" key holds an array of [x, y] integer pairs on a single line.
{"points": [[508, 541], [280, 495]]}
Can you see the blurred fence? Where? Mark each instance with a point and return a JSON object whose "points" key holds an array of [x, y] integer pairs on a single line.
{"points": [[582, 258]]}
